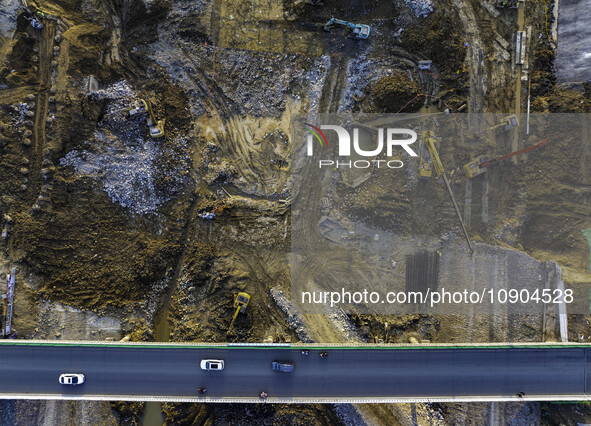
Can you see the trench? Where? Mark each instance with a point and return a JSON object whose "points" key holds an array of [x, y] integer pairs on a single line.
{"points": [[153, 415]]}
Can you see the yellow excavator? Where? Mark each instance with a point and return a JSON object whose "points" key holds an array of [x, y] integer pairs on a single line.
{"points": [[506, 124], [425, 168], [156, 126], [240, 303], [435, 161]]}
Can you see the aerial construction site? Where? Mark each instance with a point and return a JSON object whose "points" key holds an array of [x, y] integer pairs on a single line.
{"points": [[155, 185]]}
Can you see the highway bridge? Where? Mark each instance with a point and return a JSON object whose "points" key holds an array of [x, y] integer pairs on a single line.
{"points": [[364, 373]]}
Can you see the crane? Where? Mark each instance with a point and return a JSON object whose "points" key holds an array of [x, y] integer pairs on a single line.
{"points": [[438, 165], [479, 165], [360, 31]]}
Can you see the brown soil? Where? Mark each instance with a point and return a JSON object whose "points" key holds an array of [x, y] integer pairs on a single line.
{"points": [[395, 92], [242, 75]]}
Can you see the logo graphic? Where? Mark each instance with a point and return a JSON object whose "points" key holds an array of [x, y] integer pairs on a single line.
{"points": [[349, 145], [317, 134]]}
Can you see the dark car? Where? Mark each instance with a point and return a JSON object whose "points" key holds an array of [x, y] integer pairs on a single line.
{"points": [[283, 366]]}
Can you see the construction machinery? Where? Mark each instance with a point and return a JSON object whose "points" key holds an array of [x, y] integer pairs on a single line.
{"points": [[425, 167], [156, 127], [298, 6], [479, 165], [438, 165], [138, 107], [360, 31], [240, 303], [506, 124]]}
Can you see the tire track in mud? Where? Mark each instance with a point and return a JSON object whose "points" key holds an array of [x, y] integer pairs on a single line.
{"points": [[475, 55], [161, 325], [314, 177], [42, 107], [262, 282], [235, 133], [311, 191], [8, 95]]}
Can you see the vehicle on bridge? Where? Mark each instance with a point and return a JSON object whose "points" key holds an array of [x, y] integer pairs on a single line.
{"points": [[71, 379], [212, 364], [283, 366]]}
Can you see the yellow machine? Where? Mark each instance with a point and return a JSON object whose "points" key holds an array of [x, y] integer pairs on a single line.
{"points": [[473, 168], [425, 169], [436, 161], [240, 303], [480, 164], [156, 127], [507, 123], [138, 107]]}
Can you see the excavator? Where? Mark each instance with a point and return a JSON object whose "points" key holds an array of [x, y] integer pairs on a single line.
{"points": [[240, 303], [156, 127], [425, 168], [138, 107], [430, 141], [506, 124], [479, 165], [360, 31], [142, 106]]}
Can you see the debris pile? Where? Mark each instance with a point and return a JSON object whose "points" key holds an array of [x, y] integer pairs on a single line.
{"points": [[421, 8], [293, 318], [8, 15], [136, 171], [396, 92]]}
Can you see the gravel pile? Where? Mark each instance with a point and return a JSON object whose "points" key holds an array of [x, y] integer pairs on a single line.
{"points": [[137, 172], [421, 8], [8, 15], [294, 320]]}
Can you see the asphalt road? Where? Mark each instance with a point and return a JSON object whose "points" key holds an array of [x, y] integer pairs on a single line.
{"points": [[153, 371]]}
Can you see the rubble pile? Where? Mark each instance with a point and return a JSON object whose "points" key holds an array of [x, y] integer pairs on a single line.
{"points": [[137, 172], [293, 317], [421, 8], [8, 15]]}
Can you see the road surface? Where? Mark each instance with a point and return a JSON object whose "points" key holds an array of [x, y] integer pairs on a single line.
{"points": [[375, 373]]}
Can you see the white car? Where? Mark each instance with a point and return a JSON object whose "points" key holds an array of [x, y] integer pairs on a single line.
{"points": [[71, 379], [212, 364]]}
